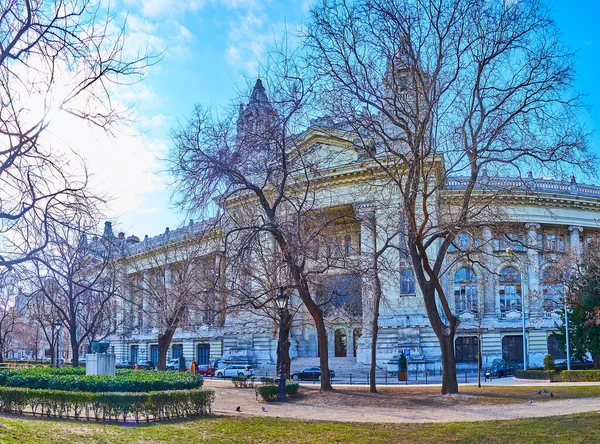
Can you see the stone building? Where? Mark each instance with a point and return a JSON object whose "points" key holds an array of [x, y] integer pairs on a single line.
{"points": [[541, 220]]}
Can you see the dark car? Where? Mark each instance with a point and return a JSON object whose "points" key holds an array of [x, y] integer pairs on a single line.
{"points": [[146, 365], [575, 363], [205, 370], [311, 374], [125, 364], [500, 368]]}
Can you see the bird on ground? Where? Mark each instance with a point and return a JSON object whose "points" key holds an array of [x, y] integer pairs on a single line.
{"points": [[529, 402], [238, 409], [539, 392], [551, 395], [264, 409], [545, 390]]}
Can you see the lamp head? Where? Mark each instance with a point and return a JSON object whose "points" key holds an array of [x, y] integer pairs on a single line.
{"points": [[281, 300], [509, 251]]}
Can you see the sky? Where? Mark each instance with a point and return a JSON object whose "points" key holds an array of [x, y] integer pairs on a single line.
{"points": [[212, 50]]}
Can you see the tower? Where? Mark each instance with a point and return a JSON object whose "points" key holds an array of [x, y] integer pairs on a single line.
{"points": [[256, 132]]}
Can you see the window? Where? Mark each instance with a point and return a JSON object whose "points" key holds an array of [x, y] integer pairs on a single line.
{"points": [[134, 352], [512, 348], [514, 241], [341, 292], [462, 242], [555, 348], [407, 282], [551, 242], [465, 290], [510, 290], [348, 246], [466, 348], [552, 294], [176, 351]]}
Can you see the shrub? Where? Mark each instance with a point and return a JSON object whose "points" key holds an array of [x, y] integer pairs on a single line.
{"points": [[107, 406], [243, 382], [75, 379], [549, 362], [291, 389], [580, 375], [267, 380], [268, 392], [546, 375]]}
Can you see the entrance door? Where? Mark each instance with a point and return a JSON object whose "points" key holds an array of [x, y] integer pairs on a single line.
{"points": [[340, 343], [512, 348], [202, 353], [133, 356], [154, 353]]}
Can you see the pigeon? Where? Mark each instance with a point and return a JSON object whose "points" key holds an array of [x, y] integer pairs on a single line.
{"points": [[539, 392], [545, 390], [551, 395], [264, 409], [238, 409], [529, 402]]}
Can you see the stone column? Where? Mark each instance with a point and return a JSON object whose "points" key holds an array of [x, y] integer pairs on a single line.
{"points": [[489, 296], [574, 242], [365, 212], [533, 258]]}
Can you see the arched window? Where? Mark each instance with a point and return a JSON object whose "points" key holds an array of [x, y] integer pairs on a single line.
{"points": [[552, 293], [407, 282], [465, 290], [510, 289]]}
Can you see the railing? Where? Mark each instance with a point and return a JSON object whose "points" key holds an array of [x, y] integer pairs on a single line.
{"points": [[528, 184]]}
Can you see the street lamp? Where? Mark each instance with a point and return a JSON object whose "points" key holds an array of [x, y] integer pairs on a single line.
{"points": [[281, 301], [58, 324], [510, 251]]}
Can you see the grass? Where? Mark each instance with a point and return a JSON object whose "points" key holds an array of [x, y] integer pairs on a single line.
{"points": [[567, 429]]}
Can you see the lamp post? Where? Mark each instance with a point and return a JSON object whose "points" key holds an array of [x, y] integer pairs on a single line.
{"points": [[281, 301], [510, 251], [58, 324], [567, 335]]}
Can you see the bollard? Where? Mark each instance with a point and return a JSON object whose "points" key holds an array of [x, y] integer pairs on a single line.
{"points": [[426, 374], [350, 378], [368, 379], [465, 376], [385, 378]]}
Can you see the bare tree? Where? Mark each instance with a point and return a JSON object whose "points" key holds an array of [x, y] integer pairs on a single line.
{"points": [[55, 56], [46, 318], [8, 314], [78, 278], [256, 169], [442, 91]]}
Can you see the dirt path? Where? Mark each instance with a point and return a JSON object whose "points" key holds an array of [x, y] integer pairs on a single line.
{"points": [[390, 406]]}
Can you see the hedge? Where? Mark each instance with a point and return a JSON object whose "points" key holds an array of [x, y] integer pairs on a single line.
{"points": [[252, 382], [269, 391], [551, 375], [580, 375], [73, 379], [107, 406]]}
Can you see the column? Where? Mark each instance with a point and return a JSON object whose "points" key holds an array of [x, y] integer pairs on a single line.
{"points": [[489, 296], [574, 242], [368, 244], [533, 266]]}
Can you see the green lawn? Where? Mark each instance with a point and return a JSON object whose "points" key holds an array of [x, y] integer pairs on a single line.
{"points": [[567, 429]]}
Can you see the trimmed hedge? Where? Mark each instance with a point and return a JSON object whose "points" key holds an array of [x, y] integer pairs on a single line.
{"points": [[551, 375], [269, 391], [107, 406], [252, 382], [75, 379], [580, 375]]}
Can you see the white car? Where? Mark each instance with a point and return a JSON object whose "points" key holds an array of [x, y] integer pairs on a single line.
{"points": [[235, 370]]}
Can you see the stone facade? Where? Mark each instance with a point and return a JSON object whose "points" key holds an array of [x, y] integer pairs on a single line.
{"points": [[541, 220]]}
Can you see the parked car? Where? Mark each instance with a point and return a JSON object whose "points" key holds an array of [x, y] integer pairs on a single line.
{"points": [[575, 362], [311, 374], [146, 365], [173, 364], [125, 364], [205, 370], [500, 368], [235, 370]]}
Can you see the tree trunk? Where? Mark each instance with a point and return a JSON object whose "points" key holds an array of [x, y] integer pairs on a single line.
{"points": [[375, 328], [449, 381], [164, 340], [323, 354], [445, 335], [75, 348]]}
